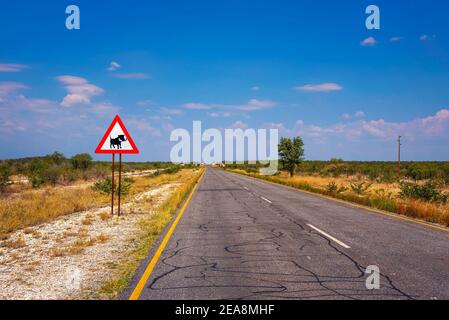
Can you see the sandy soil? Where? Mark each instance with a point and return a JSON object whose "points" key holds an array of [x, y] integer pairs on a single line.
{"points": [[74, 255]]}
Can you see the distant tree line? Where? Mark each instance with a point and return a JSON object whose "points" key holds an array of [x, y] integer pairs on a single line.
{"points": [[291, 159], [55, 168]]}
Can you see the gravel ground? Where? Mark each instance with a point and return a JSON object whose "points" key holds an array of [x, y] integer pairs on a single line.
{"points": [[73, 255]]}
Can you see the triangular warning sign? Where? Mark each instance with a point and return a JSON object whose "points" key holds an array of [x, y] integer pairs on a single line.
{"points": [[117, 140]]}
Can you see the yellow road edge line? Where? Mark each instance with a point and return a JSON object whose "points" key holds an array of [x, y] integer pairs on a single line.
{"points": [[149, 269], [386, 213]]}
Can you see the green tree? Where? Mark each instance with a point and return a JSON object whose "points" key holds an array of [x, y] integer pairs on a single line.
{"points": [[81, 161], [4, 176], [57, 157], [291, 153]]}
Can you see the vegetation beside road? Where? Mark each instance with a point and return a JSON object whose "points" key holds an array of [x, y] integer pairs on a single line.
{"points": [[377, 171], [32, 207], [55, 169], [415, 189], [422, 200]]}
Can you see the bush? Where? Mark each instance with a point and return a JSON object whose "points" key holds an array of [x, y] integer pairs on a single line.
{"points": [[426, 192], [332, 187], [105, 186], [81, 161], [36, 181], [334, 169], [360, 187], [4, 177], [57, 158], [173, 170]]}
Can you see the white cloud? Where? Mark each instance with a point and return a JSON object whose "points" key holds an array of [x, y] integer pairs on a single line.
{"points": [[324, 87], [71, 80], [171, 111], [104, 109], [255, 105], [197, 106], [145, 103], [167, 126], [255, 88], [80, 91], [219, 114], [143, 126], [426, 37], [12, 101], [114, 66], [137, 76], [11, 67], [238, 125], [74, 99], [279, 126], [347, 116], [6, 88], [36, 105], [396, 39], [368, 42], [251, 105], [434, 126]]}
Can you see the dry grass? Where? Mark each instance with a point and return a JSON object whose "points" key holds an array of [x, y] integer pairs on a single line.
{"points": [[105, 216], [32, 266], [87, 221], [379, 195], [102, 238], [15, 244], [33, 207], [77, 247], [323, 182]]}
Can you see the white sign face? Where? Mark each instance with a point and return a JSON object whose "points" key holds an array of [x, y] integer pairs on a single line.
{"points": [[117, 140]]}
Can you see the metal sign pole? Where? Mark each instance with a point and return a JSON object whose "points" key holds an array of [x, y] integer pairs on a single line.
{"points": [[112, 181], [119, 182], [122, 144]]}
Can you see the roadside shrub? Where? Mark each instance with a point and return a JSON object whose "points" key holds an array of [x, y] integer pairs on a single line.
{"points": [[173, 170], [81, 161], [4, 177], [50, 175], [383, 194], [426, 192], [360, 187], [332, 187], [105, 186], [36, 181], [57, 158], [335, 169]]}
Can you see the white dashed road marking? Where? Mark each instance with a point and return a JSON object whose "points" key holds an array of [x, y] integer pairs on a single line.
{"points": [[329, 237]]}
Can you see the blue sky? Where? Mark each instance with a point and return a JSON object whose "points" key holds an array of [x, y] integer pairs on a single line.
{"points": [[309, 68]]}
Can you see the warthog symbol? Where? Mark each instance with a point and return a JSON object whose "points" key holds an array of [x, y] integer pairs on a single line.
{"points": [[117, 142]]}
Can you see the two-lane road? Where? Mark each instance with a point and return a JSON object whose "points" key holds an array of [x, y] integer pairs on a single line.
{"points": [[242, 238]]}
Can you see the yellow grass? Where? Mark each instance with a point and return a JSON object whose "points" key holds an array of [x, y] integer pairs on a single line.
{"points": [[323, 182], [382, 196], [15, 244], [33, 207]]}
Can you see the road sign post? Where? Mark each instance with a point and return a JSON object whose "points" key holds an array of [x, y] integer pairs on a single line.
{"points": [[119, 182], [122, 144], [112, 184]]}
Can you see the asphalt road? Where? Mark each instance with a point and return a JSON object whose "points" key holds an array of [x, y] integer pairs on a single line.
{"points": [[242, 238]]}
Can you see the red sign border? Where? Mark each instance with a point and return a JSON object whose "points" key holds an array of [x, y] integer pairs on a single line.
{"points": [[106, 136]]}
